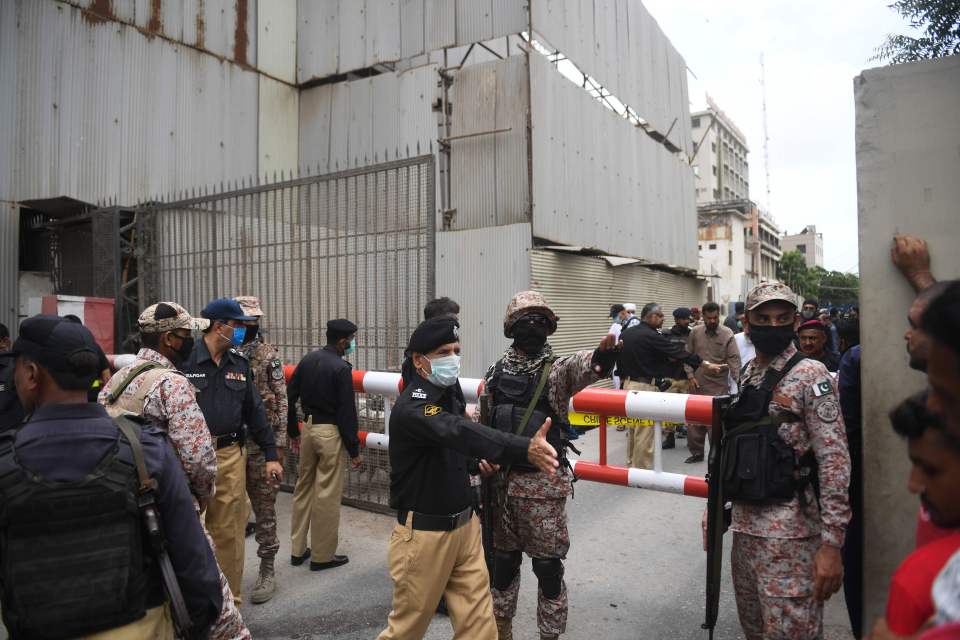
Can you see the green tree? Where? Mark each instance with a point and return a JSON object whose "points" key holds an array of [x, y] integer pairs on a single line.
{"points": [[793, 271], [939, 23], [840, 288]]}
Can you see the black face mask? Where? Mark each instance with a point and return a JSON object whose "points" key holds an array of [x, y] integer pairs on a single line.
{"points": [[529, 338], [251, 333], [184, 350], [770, 340]]}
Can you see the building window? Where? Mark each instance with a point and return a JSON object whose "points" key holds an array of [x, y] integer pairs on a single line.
{"points": [[802, 248], [713, 147], [730, 258], [696, 123], [714, 167], [713, 246], [699, 247]]}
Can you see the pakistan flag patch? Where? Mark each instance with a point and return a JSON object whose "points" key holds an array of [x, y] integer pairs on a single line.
{"points": [[822, 388]]}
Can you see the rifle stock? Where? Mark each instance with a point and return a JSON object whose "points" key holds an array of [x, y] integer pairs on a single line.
{"points": [[716, 515]]}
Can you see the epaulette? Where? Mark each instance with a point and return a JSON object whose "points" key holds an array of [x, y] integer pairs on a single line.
{"points": [[237, 352]]}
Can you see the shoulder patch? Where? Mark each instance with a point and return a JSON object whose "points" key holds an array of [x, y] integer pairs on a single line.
{"points": [[822, 388], [276, 370], [828, 411], [418, 394], [431, 410]]}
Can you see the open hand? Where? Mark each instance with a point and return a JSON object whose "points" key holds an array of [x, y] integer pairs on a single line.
{"points": [[827, 572], [541, 453], [912, 257]]}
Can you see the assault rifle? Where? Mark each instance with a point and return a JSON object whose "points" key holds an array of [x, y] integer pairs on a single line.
{"points": [[718, 514]]}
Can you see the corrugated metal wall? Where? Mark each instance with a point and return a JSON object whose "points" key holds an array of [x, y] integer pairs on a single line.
{"points": [[99, 110], [358, 123], [490, 185], [618, 43], [580, 289], [599, 182], [481, 269], [339, 36], [9, 267]]}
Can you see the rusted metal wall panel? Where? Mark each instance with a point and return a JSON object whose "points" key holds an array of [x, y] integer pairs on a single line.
{"points": [[489, 170], [358, 123], [339, 36], [620, 44], [599, 182], [101, 111]]}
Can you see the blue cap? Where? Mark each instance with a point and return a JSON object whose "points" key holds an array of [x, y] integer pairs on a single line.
{"points": [[225, 309], [681, 313]]}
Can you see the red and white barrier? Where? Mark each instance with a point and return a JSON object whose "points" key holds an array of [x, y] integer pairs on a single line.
{"points": [[391, 384], [651, 405]]}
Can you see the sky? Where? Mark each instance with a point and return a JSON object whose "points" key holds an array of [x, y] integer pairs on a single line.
{"points": [[812, 52]]}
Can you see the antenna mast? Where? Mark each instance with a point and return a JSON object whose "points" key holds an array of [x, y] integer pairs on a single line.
{"points": [[766, 135]]}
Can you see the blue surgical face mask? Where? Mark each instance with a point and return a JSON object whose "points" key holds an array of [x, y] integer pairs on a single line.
{"points": [[444, 371], [238, 335], [350, 347]]}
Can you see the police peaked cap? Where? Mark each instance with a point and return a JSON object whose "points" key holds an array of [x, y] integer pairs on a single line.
{"points": [[340, 328], [433, 333], [681, 313]]}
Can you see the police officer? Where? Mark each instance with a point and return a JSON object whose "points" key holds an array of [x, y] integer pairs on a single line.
{"points": [[229, 400], [152, 388], [11, 413], [70, 488], [814, 342], [431, 443], [323, 384], [648, 362], [528, 385], [786, 545], [268, 376]]}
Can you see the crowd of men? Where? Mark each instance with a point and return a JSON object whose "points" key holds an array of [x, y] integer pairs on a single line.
{"points": [[141, 498]]}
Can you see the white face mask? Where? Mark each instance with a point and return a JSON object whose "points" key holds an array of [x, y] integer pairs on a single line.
{"points": [[444, 371]]}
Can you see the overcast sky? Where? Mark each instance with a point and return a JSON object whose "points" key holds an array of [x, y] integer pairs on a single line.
{"points": [[812, 50]]}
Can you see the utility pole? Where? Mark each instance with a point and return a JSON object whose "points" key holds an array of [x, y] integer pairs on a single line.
{"points": [[766, 135]]}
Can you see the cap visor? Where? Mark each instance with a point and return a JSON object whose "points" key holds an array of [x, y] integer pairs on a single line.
{"points": [[777, 299]]}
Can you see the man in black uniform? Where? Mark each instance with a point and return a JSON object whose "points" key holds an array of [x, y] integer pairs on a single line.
{"points": [[229, 400], [647, 362], [76, 559], [814, 338], [323, 383], [11, 412], [431, 443]]}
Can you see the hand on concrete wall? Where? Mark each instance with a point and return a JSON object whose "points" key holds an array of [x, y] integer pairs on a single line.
{"points": [[912, 257]]}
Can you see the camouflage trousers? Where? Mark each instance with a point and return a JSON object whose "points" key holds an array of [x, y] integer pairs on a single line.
{"points": [[773, 581], [537, 527], [263, 500]]}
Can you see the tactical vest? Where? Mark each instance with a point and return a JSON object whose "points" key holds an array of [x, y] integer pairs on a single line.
{"points": [[758, 467], [74, 556], [512, 398], [131, 404]]}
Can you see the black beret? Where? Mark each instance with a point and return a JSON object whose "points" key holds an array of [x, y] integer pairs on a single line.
{"points": [[433, 333], [340, 328], [681, 313]]}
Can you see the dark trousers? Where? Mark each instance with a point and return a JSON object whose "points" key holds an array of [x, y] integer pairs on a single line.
{"points": [[852, 552]]}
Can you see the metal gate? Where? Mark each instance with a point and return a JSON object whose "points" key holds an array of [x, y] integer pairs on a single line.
{"points": [[355, 244]]}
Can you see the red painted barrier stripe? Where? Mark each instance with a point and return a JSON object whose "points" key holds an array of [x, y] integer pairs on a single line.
{"points": [[699, 409], [694, 486]]}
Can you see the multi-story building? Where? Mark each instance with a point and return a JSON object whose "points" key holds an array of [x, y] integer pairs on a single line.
{"points": [[739, 247], [809, 243], [720, 156]]}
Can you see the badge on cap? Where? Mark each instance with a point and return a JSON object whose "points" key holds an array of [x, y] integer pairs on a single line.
{"points": [[431, 410]]}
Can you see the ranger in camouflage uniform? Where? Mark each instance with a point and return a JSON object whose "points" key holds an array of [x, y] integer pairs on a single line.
{"points": [[152, 388], [531, 510], [786, 552], [268, 375]]}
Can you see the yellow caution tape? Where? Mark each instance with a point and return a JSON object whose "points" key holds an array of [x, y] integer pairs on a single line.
{"points": [[593, 420]]}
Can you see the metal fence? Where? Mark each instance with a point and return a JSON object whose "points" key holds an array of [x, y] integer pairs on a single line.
{"points": [[355, 244]]}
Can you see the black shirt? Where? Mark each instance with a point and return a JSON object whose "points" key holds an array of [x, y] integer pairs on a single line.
{"points": [[647, 353], [65, 442], [679, 335], [829, 359], [431, 444], [11, 413], [227, 396], [323, 382]]}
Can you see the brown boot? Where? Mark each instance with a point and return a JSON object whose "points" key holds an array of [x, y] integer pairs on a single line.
{"points": [[504, 628], [266, 583], [549, 636]]}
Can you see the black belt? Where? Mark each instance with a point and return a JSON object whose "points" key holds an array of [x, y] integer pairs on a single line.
{"points": [[430, 522], [228, 439]]}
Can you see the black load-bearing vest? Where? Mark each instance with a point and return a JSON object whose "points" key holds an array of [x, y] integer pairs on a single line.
{"points": [[512, 396], [73, 556], [758, 467]]}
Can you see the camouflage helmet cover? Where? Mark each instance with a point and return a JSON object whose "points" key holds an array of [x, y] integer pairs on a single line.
{"points": [[527, 302]]}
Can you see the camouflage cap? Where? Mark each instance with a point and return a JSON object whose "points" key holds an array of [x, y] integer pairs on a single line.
{"points": [[250, 305], [167, 316], [527, 302], [769, 292]]}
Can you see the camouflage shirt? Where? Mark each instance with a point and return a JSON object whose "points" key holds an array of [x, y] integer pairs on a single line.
{"points": [[268, 376], [808, 394], [568, 375], [172, 406]]}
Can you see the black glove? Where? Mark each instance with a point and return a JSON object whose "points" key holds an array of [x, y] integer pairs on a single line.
{"points": [[605, 359], [293, 429]]}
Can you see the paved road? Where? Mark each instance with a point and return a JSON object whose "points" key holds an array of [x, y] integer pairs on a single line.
{"points": [[635, 570]]}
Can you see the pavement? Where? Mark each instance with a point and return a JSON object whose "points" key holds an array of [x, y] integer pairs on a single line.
{"points": [[635, 570]]}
